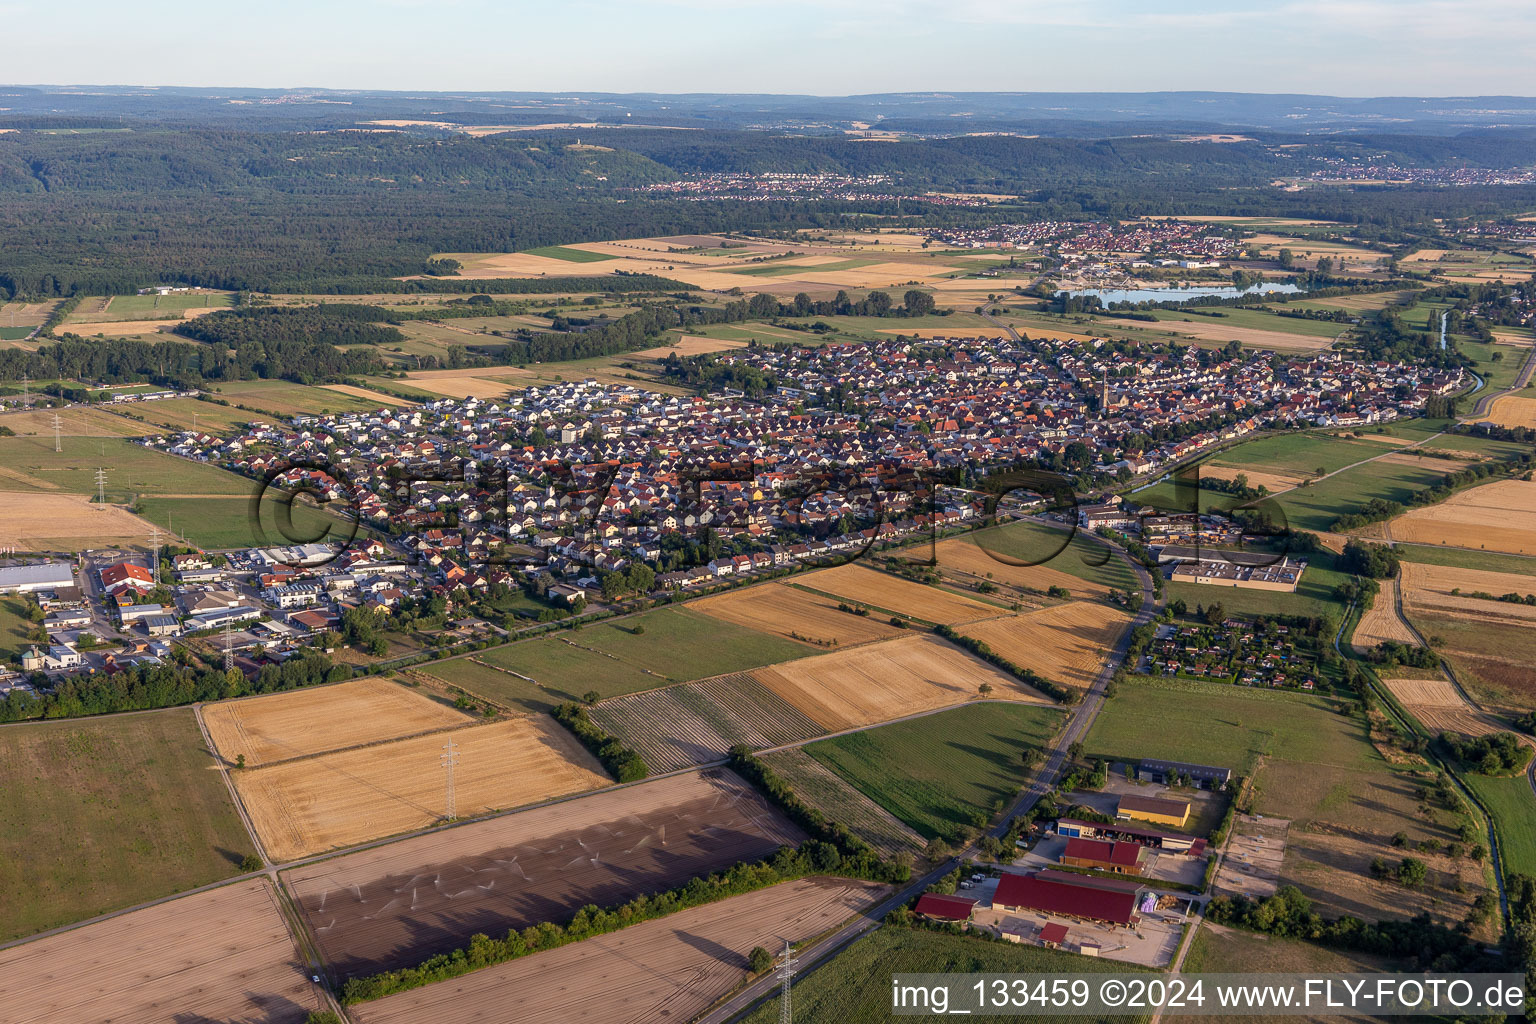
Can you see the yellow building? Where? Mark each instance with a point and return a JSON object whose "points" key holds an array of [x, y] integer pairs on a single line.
{"points": [[1154, 809]]}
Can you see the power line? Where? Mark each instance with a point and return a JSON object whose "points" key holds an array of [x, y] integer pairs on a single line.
{"points": [[229, 647], [101, 487], [450, 760], [154, 554], [58, 433], [785, 974]]}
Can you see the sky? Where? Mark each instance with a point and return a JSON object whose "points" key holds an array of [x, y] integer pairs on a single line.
{"points": [[828, 48]]}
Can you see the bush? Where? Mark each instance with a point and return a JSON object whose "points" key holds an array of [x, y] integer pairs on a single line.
{"points": [[250, 862], [759, 960], [622, 763]]}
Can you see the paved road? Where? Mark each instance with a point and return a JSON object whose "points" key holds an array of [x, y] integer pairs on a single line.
{"points": [[1524, 378], [1044, 778]]}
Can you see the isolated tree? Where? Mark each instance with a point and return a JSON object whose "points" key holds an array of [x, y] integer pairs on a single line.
{"points": [[759, 960], [984, 689], [250, 862]]}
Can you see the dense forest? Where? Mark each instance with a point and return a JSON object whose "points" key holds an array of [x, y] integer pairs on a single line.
{"points": [[332, 213]]}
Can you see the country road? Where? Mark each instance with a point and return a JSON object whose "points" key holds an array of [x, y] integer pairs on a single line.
{"points": [[1520, 382], [1044, 778]]}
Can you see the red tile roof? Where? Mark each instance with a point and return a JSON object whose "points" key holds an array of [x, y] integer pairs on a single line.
{"points": [[1053, 932], [951, 908], [1104, 851], [1031, 893]]}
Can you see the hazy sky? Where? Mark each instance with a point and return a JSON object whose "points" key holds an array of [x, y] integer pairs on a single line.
{"points": [[833, 47]]}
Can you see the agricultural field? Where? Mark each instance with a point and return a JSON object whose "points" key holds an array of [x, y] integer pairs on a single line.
{"points": [[219, 955], [1217, 948], [67, 522], [1070, 552], [889, 680], [1067, 644], [1313, 765], [855, 987], [107, 309], [1439, 706], [823, 789], [698, 723], [318, 719], [1489, 642], [220, 521], [1500, 516], [15, 627], [1463, 558], [1255, 328], [1380, 622], [31, 464], [675, 966], [74, 421], [1512, 411], [541, 864], [340, 799], [969, 562], [791, 612], [640, 652], [96, 815], [942, 773], [1513, 807], [885, 593]]}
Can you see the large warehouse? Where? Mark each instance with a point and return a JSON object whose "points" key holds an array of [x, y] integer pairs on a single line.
{"points": [[1069, 895], [1157, 810], [1120, 858], [28, 579]]}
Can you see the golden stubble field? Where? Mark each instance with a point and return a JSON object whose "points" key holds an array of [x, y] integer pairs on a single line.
{"points": [[884, 681], [1440, 706], [316, 720], [75, 421], [1381, 621], [668, 969], [1429, 588], [221, 955], [790, 612], [882, 590], [306, 806], [65, 522], [1067, 644], [1512, 411], [963, 559], [1493, 517]]}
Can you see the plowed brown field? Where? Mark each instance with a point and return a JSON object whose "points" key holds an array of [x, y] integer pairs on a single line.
{"points": [[402, 902], [879, 682], [791, 612], [668, 969], [223, 955], [313, 721], [1067, 644], [1495, 517], [320, 803], [881, 590]]}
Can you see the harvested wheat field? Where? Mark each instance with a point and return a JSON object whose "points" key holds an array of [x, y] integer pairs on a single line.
{"points": [[223, 955], [1440, 706], [279, 726], [462, 383], [1513, 411], [797, 614], [367, 395], [1381, 621], [883, 591], [65, 522], [688, 345], [965, 559], [1493, 517], [1067, 644], [341, 799], [1428, 588], [880, 682], [75, 421], [1257, 337], [672, 968], [1273, 482]]}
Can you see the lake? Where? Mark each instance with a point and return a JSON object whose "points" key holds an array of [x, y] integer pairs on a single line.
{"points": [[1109, 296]]}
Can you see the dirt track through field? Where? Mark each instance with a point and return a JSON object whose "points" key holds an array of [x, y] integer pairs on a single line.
{"points": [[341, 799], [399, 903], [279, 726], [668, 969], [221, 955]]}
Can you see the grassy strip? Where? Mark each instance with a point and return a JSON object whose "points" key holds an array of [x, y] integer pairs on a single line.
{"points": [[622, 763]]}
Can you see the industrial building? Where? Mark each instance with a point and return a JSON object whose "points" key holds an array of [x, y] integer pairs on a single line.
{"points": [[28, 579], [1157, 810], [1205, 774], [1251, 570]]}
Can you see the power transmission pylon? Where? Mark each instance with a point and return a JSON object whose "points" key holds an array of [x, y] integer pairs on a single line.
{"points": [[154, 554], [229, 647], [58, 433], [26, 391], [785, 974], [450, 761], [101, 486]]}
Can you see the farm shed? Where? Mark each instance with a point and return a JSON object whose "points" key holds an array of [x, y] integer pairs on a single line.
{"points": [[1203, 773], [1076, 898], [944, 908], [1121, 858], [1154, 809], [1053, 935], [1165, 841]]}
